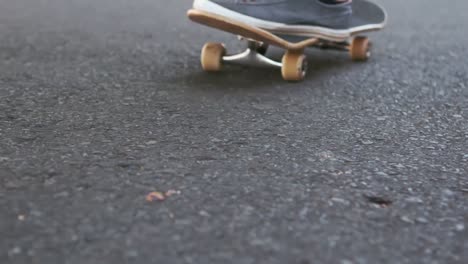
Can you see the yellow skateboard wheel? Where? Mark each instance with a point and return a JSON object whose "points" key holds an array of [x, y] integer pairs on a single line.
{"points": [[212, 56], [360, 49], [294, 66]]}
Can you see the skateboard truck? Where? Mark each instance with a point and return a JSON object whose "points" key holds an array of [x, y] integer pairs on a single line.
{"points": [[254, 55]]}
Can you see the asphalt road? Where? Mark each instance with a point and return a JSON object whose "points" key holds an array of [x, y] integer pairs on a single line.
{"points": [[104, 101]]}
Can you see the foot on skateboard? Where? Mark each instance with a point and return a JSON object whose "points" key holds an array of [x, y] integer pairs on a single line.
{"points": [[366, 17]]}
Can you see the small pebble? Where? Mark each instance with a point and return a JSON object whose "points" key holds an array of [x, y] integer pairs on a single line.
{"points": [[172, 192], [422, 220], [14, 251], [204, 213], [406, 219], [414, 199], [49, 181], [448, 192], [151, 142], [339, 200], [381, 173], [155, 196], [460, 227]]}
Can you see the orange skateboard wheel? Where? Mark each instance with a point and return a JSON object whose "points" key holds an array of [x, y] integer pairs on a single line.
{"points": [[360, 49], [294, 66], [212, 56]]}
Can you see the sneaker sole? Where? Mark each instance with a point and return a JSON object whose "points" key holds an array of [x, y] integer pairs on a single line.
{"points": [[284, 29]]}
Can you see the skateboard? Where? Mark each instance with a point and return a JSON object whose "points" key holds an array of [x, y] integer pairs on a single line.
{"points": [[366, 17]]}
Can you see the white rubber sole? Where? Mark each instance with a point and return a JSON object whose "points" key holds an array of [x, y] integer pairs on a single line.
{"points": [[279, 28]]}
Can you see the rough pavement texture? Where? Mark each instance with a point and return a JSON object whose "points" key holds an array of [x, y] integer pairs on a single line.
{"points": [[102, 102]]}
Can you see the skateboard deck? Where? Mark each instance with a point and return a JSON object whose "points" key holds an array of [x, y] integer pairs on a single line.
{"points": [[247, 31], [366, 17]]}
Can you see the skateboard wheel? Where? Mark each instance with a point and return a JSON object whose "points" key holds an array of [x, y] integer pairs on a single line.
{"points": [[294, 66], [212, 56], [360, 49]]}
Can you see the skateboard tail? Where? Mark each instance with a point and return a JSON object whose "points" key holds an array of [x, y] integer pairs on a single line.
{"points": [[225, 24], [246, 31]]}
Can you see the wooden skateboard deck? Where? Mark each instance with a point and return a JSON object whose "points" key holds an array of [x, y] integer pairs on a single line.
{"points": [[247, 31]]}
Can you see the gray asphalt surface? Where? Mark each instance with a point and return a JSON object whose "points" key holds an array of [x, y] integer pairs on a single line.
{"points": [[104, 101]]}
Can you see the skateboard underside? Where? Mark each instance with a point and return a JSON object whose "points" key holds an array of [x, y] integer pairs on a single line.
{"points": [[294, 63]]}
